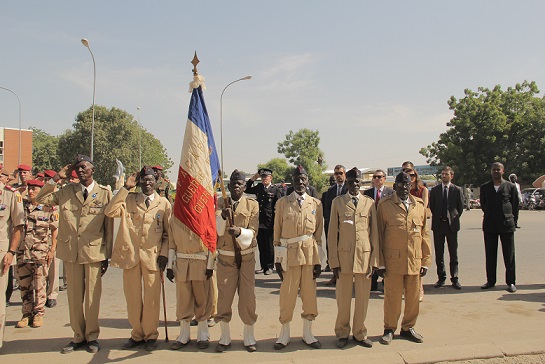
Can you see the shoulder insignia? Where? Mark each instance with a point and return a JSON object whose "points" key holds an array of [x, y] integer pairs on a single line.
{"points": [[54, 208], [10, 188], [107, 188], [19, 198]]}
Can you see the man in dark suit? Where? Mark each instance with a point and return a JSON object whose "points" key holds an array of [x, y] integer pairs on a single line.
{"points": [[377, 192], [338, 189], [499, 202], [446, 205]]}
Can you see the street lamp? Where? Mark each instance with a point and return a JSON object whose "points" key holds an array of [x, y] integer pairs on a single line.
{"points": [[139, 140], [20, 121], [221, 116], [85, 42]]}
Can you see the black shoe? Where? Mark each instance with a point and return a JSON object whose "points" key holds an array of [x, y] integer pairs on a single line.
{"points": [[193, 322], [63, 287], [93, 347], [412, 335], [220, 348], [259, 271], [279, 346], [7, 303], [439, 283], [151, 345], [131, 343], [387, 338], [177, 345], [250, 348], [488, 285], [517, 226], [72, 346], [511, 288], [327, 268], [50, 303], [203, 344], [456, 285], [331, 282], [314, 345], [365, 342], [341, 342]]}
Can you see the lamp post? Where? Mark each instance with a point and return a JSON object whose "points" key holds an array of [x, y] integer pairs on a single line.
{"points": [[139, 140], [221, 116], [20, 121], [85, 42]]}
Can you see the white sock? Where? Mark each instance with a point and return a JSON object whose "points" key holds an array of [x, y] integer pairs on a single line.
{"points": [[284, 337], [249, 338], [202, 331], [225, 338], [184, 332], [307, 332]]}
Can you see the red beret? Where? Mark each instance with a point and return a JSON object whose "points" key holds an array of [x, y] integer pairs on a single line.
{"points": [[157, 167], [50, 173], [74, 175], [35, 182], [23, 167], [40, 174]]}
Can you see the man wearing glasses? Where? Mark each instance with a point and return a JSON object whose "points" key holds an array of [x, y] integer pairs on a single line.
{"points": [[338, 189], [404, 257], [376, 193]]}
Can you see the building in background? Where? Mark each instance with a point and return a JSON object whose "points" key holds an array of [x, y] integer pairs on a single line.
{"points": [[9, 148]]}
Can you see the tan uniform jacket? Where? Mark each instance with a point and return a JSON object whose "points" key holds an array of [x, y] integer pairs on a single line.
{"points": [[143, 231], [85, 233], [404, 236], [12, 214], [353, 234], [183, 240], [291, 221], [40, 221], [246, 216]]}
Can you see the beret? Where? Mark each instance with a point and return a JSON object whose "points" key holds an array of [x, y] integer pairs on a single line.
{"points": [[49, 173], [147, 170], [35, 182], [403, 177], [23, 167], [299, 170], [82, 158]]}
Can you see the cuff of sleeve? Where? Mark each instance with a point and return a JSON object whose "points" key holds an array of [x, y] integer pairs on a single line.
{"points": [[245, 237]]}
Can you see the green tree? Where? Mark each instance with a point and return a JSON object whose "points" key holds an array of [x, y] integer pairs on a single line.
{"points": [[301, 148], [489, 126], [280, 168], [44, 151], [116, 136]]}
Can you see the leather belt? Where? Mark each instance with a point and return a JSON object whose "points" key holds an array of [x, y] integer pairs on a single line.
{"points": [[231, 253]]}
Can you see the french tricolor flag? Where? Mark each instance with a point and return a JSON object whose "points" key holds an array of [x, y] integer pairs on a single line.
{"points": [[197, 173]]}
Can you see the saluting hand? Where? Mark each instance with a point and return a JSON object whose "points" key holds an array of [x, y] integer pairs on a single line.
{"points": [[131, 181], [65, 171]]}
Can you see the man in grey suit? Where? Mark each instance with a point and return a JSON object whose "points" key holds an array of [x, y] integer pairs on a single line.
{"points": [[446, 205], [376, 193]]}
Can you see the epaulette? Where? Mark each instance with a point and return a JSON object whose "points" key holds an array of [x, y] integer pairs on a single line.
{"points": [[10, 188], [251, 198], [107, 188]]}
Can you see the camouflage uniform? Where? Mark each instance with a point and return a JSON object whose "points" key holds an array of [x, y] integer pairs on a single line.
{"points": [[31, 258], [162, 187]]}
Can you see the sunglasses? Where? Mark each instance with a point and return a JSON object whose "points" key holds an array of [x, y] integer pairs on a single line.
{"points": [[378, 177], [339, 173], [412, 174]]}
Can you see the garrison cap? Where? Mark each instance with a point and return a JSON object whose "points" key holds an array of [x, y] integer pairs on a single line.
{"points": [[23, 167], [237, 176], [147, 170], [49, 173], [82, 158], [265, 172], [353, 173], [299, 170], [35, 183], [403, 177]]}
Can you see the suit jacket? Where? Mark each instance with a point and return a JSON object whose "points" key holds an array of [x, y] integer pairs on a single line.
{"points": [[455, 206], [386, 191], [404, 237], [500, 208], [353, 235], [293, 221], [331, 194], [143, 231], [85, 232]]}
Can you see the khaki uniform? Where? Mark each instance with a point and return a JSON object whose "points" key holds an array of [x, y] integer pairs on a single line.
{"points": [[31, 257], [404, 248], [292, 221], [85, 239], [353, 247], [194, 293], [230, 278], [142, 237], [11, 215]]}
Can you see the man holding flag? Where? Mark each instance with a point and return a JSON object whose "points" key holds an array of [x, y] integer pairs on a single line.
{"points": [[192, 231]]}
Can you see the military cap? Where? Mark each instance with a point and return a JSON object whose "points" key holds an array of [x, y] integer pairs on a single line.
{"points": [[40, 174], [23, 167], [82, 158], [299, 170], [158, 167], [265, 172], [147, 170], [49, 173], [403, 177], [74, 174], [35, 183], [353, 173], [237, 176]]}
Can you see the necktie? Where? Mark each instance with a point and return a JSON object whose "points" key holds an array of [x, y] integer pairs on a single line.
{"points": [[85, 194], [235, 205], [378, 198], [339, 189], [444, 204], [355, 201], [147, 202], [300, 201]]}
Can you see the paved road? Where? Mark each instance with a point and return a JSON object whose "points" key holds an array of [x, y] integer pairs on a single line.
{"points": [[456, 325]]}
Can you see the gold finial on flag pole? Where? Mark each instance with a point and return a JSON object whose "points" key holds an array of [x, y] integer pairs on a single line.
{"points": [[195, 62]]}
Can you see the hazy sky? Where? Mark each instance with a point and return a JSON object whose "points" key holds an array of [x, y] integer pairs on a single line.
{"points": [[373, 77]]}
